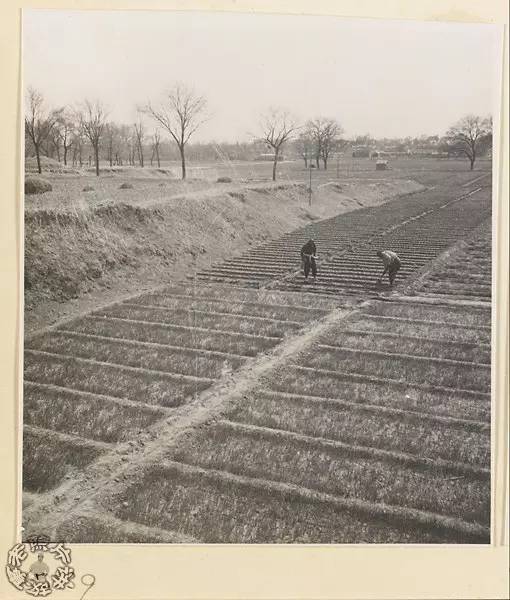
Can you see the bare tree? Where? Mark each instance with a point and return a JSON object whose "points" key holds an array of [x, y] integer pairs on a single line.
{"points": [[181, 115], [139, 137], [330, 133], [55, 140], [62, 133], [304, 146], [277, 127], [156, 141], [325, 134], [124, 144], [77, 144], [468, 134], [92, 122], [110, 134], [39, 122]]}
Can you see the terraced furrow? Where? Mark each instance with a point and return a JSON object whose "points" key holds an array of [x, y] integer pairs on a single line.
{"points": [[333, 236], [360, 267], [418, 346], [110, 375], [224, 507]]}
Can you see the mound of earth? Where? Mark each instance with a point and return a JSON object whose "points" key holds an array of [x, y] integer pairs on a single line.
{"points": [[37, 185]]}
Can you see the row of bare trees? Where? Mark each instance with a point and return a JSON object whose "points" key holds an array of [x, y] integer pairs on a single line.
{"points": [[64, 129], [180, 115]]}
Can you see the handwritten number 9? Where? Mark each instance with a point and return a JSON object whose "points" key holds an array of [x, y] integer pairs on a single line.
{"points": [[88, 581]]}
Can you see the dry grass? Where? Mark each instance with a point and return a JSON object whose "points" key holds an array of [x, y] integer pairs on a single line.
{"points": [[185, 362], [406, 397], [82, 415], [464, 316], [235, 323], [238, 295], [254, 456], [285, 313], [388, 432], [366, 323], [150, 332], [146, 387], [407, 370], [216, 512], [418, 347], [47, 462], [107, 529]]}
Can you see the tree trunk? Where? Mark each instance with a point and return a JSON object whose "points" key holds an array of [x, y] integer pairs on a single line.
{"points": [[274, 164], [96, 152], [317, 162], [325, 161], [183, 162], [157, 157], [306, 161], [65, 155], [472, 161], [38, 156]]}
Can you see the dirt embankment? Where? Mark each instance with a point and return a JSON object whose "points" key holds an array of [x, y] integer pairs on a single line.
{"points": [[76, 260]]}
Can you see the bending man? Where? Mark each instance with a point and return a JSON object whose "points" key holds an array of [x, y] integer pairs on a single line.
{"points": [[308, 256], [391, 264]]}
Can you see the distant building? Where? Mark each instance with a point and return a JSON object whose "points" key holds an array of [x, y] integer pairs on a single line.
{"points": [[269, 157], [361, 152]]}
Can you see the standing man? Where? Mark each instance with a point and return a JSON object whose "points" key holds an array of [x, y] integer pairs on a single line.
{"points": [[308, 256], [391, 265]]}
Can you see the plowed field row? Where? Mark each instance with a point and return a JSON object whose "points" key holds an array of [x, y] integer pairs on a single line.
{"points": [[115, 372], [357, 270], [333, 236], [467, 275]]}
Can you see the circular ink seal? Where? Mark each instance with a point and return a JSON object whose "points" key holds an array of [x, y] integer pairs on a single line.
{"points": [[35, 577]]}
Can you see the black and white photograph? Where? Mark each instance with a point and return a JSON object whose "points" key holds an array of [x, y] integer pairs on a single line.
{"points": [[258, 278]]}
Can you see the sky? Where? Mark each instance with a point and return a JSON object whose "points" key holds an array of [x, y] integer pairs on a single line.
{"points": [[386, 78]]}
